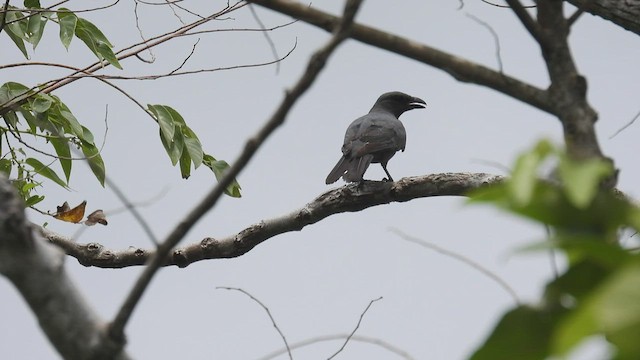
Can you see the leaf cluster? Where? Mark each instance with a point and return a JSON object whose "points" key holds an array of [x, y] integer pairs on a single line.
{"points": [[599, 292]]}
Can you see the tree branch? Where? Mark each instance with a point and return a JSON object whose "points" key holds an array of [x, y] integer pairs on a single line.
{"points": [[526, 19], [348, 198], [623, 13], [461, 69], [316, 64], [37, 271]]}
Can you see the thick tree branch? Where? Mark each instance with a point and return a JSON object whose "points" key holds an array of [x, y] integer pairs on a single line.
{"points": [[568, 89], [316, 64], [349, 198], [461, 69], [37, 271], [623, 13], [526, 19]]}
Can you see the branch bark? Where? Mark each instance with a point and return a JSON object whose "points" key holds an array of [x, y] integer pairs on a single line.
{"points": [[461, 69], [349, 198], [37, 271], [624, 13]]}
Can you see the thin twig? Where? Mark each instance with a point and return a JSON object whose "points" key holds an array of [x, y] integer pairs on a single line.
{"points": [[626, 126], [503, 284], [273, 321], [316, 63], [496, 39], [364, 339], [266, 35], [346, 341], [574, 17]]}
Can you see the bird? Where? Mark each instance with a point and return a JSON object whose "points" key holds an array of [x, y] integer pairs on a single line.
{"points": [[374, 137]]}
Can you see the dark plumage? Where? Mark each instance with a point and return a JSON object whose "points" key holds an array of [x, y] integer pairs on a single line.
{"points": [[375, 137]]}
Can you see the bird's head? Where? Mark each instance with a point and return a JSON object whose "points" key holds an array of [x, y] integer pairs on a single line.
{"points": [[397, 103]]}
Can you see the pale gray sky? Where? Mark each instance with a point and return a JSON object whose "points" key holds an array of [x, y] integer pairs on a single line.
{"points": [[318, 281]]}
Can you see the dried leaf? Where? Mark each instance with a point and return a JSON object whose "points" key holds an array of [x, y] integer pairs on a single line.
{"points": [[74, 215], [96, 217]]}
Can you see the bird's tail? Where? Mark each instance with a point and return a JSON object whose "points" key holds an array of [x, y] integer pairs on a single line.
{"points": [[357, 167], [351, 170], [337, 171]]}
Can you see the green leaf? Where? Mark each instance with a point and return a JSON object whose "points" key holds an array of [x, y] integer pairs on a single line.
{"points": [[525, 173], [612, 309], [185, 165], [165, 116], [219, 167], [71, 124], [41, 104], [11, 118], [581, 179], [32, 4], [523, 333], [96, 41], [61, 145], [16, 29], [96, 163], [5, 167], [174, 148], [35, 27], [45, 171], [194, 148], [32, 200], [67, 22], [11, 92]]}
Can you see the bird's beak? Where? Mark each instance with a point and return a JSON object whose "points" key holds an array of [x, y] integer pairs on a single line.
{"points": [[417, 103]]}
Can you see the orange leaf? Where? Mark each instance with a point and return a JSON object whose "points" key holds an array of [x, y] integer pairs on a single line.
{"points": [[74, 215], [96, 217]]}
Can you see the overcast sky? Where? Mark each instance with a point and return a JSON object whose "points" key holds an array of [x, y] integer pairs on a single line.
{"points": [[318, 281]]}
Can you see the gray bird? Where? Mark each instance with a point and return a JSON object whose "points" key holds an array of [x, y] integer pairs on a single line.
{"points": [[375, 137]]}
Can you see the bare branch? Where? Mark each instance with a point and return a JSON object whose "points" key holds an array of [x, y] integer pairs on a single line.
{"points": [[364, 339], [526, 19], [316, 64], [266, 36], [273, 321], [37, 270], [623, 13], [503, 284], [461, 69], [496, 39], [626, 126], [348, 198], [346, 341]]}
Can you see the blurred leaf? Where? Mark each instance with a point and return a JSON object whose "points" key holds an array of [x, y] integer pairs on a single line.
{"points": [[96, 41], [5, 167], [32, 4], [74, 215], [32, 200], [11, 118], [525, 172], [581, 179], [185, 165], [67, 22], [45, 171], [613, 309], [523, 333], [219, 167], [96, 163], [61, 146]]}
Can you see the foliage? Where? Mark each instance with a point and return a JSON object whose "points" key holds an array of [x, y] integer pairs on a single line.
{"points": [[598, 294], [41, 115]]}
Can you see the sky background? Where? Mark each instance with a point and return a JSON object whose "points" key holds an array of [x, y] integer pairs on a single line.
{"points": [[318, 281]]}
